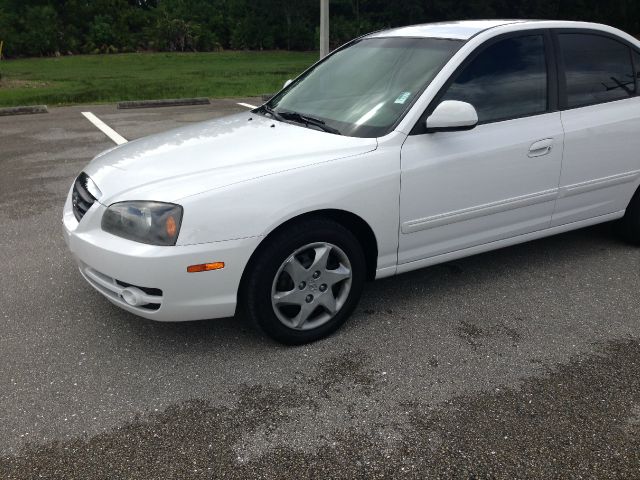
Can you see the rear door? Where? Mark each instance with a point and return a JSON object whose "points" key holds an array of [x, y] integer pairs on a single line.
{"points": [[601, 119], [499, 180]]}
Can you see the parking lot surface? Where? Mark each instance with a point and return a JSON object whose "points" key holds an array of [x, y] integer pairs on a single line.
{"points": [[519, 363]]}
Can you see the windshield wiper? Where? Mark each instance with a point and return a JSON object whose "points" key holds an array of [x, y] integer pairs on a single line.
{"points": [[267, 109], [307, 120]]}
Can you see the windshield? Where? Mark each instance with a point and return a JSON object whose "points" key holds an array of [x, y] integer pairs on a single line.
{"points": [[365, 88]]}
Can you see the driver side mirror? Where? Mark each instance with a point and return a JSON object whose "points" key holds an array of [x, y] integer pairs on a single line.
{"points": [[452, 116], [287, 83]]}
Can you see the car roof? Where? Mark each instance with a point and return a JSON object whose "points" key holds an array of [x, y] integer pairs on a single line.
{"points": [[462, 30], [466, 29]]}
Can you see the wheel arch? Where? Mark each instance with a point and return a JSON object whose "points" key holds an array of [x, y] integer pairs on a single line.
{"points": [[635, 196], [354, 223]]}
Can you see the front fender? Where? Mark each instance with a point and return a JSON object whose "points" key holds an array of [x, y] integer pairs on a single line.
{"points": [[367, 185]]}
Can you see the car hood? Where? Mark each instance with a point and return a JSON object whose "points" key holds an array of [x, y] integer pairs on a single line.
{"points": [[213, 154]]}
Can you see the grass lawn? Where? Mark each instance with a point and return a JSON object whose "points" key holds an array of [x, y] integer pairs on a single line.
{"points": [[145, 76]]}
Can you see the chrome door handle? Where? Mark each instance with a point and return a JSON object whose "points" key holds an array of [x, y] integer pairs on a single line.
{"points": [[540, 148]]}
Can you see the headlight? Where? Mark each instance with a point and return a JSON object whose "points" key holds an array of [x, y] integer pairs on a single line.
{"points": [[155, 223]]}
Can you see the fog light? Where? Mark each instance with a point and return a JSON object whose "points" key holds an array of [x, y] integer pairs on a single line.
{"points": [[133, 296]]}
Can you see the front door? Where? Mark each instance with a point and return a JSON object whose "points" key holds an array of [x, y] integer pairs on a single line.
{"points": [[499, 180]]}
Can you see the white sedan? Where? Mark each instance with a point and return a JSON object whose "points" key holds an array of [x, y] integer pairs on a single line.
{"points": [[402, 149]]}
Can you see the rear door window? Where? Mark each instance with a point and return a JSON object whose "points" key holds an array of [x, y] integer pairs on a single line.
{"points": [[597, 69]]}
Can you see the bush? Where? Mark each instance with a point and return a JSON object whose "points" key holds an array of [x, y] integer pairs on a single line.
{"points": [[39, 35]]}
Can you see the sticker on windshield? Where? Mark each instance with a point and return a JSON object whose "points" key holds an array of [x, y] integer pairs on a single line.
{"points": [[403, 97]]}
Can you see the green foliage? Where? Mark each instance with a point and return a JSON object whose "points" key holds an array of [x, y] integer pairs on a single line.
{"points": [[44, 27], [42, 37], [100, 31]]}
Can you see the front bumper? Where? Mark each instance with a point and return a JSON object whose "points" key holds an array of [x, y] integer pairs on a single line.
{"points": [[110, 263]]}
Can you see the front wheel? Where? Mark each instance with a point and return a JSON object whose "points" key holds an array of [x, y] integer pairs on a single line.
{"points": [[305, 282]]}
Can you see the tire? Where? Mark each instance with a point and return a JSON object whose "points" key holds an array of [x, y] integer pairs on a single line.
{"points": [[629, 226], [299, 312]]}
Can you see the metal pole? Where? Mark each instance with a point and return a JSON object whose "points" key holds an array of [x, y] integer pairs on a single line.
{"points": [[324, 28]]}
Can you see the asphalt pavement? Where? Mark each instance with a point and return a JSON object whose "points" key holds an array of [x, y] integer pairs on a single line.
{"points": [[518, 363]]}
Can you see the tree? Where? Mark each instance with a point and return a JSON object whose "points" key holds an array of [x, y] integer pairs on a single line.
{"points": [[43, 27]]}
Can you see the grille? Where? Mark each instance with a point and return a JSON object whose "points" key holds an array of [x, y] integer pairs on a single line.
{"points": [[81, 199]]}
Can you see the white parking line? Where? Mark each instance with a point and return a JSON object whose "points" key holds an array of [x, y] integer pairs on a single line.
{"points": [[248, 105], [104, 128]]}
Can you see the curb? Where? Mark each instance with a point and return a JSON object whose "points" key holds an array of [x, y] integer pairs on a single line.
{"points": [[169, 102], [23, 110]]}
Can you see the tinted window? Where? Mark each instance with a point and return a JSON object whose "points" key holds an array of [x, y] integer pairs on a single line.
{"points": [[597, 69], [636, 59], [506, 80]]}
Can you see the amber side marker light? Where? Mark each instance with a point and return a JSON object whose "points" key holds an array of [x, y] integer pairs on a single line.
{"points": [[205, 267]]}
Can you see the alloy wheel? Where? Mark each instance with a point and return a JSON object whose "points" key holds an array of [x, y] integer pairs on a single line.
{"points": [[311, 286]]}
